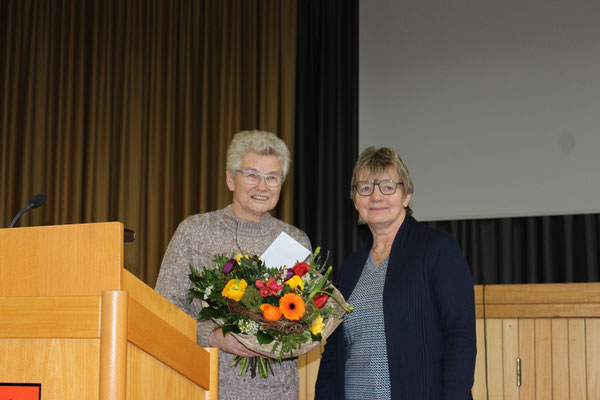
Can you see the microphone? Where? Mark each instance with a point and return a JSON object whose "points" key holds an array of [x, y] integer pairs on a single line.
{"points": [[35, 202]]}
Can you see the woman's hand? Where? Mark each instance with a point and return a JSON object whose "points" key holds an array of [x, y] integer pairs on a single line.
{"points": [[229, 344]]}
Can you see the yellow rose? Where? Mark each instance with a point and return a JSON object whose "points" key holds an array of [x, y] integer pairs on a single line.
{"points": [[235, 289], [317, 325], [294, 282]]}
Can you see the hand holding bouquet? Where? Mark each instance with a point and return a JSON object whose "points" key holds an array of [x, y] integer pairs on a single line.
{"points": [[277, 312]]}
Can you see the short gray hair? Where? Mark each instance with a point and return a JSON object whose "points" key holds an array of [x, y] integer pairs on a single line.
{"points": [[261, 142]]}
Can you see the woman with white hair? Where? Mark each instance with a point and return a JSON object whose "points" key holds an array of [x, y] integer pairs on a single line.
{"points": [[257, 163]]}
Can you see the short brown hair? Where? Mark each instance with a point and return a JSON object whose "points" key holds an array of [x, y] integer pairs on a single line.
{"points": [[376, 161]]}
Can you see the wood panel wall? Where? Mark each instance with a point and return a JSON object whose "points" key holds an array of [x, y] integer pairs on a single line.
{"points": [[552, 329]]}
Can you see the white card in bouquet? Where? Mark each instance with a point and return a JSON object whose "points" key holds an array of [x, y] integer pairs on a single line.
{"points": [[284, 251]]}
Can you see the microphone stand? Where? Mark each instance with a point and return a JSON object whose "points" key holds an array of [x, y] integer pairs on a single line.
{"points": [[23, 211]]}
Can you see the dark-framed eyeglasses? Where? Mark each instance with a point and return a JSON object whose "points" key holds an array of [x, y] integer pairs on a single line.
{"points": [[386, 187], [253, 178]]}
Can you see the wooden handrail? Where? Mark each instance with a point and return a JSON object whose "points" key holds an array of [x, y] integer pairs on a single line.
{"points": [[573, 300]]}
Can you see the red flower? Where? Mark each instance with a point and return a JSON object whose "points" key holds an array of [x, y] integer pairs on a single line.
{"points": [[273, 286], [268, 288], [262, 288], [301, 268], [320, 300]]}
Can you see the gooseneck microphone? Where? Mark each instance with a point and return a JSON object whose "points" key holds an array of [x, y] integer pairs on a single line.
{"points": [[35, 202]]}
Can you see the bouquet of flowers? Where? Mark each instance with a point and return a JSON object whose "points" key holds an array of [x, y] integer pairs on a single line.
{"points": [[276, 312]]}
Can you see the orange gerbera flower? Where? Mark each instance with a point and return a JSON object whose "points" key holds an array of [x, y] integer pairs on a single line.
{"points": [[292, 306]]}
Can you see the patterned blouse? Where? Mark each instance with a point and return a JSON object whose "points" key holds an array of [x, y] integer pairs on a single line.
{"points": [[367, 374]]}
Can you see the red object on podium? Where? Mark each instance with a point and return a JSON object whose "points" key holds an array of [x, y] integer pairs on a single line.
{"points": [[20, 391]]}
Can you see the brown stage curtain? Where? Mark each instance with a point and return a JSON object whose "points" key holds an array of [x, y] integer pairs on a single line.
{"points": [[123, 109]]}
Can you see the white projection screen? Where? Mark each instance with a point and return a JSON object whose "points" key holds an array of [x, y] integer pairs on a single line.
{"points": [[493, 105]]}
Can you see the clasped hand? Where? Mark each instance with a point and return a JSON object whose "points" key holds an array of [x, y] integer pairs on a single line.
{"points": [[229, 344]]}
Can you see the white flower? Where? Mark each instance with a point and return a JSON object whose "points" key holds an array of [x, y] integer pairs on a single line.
{"points": [[248, 327], [208, 291]]}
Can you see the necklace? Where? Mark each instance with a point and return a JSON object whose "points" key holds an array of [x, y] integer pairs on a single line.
{"points": [[379, 256], [237, 225]]}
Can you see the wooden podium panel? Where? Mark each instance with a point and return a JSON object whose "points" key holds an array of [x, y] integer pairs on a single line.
{"points": [[72, 319], [143, 368], [67, 368], [62, 260]]}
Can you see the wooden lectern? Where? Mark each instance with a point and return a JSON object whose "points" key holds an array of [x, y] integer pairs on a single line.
{"points": [[73, 319]]}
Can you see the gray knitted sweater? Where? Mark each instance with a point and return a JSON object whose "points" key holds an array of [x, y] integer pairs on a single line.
{"points": [[197, 239]]}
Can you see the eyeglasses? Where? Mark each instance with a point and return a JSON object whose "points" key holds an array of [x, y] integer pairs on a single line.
{"points": [[253, 178], [386, 187]]}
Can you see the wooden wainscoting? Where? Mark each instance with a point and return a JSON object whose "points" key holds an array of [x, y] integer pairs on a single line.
{"points": [[542, 342], [547, 333]]}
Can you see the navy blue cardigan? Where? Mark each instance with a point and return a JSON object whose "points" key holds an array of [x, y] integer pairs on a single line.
{"points": [[429, 317]]}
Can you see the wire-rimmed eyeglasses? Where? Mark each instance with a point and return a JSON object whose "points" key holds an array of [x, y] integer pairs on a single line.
{"points": [[386, 187], [253, 178]]}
